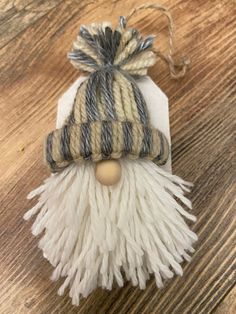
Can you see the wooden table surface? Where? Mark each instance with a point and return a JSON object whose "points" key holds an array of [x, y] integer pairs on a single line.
{"points": [[35, 37]]}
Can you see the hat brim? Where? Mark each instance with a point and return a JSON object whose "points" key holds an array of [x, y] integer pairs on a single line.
{"points": [[101, 140]]}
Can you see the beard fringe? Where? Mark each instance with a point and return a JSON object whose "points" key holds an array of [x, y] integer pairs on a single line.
{"points": [[94, 235]]}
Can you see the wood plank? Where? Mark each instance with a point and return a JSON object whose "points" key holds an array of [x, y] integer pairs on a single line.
{"points": [[16, 16], [34, 72], [228, 305]]}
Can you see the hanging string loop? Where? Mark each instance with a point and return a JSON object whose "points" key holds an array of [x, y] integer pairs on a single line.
{"points": [[177, 69]]}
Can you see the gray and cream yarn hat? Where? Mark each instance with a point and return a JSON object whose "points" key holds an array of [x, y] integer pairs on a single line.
{"points": [[109, 119]]}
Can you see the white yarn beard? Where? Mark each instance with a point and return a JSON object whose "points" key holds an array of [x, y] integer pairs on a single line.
{"points": [[94, 235]]}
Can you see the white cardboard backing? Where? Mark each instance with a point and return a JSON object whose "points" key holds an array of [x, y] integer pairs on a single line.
{"points": [[157, 103]]}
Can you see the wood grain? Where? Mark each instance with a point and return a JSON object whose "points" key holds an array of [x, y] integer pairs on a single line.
{"points": [[228, 305], [35, 37]]}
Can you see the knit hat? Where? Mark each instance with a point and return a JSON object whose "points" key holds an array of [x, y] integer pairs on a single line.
{"points": [[109, 119]]}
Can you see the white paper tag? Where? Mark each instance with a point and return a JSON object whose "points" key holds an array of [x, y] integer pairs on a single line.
{"points": [[157, 103], [158, 108]]}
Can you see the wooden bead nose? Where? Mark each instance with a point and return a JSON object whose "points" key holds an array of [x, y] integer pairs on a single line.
{"points": [[108, 172]]}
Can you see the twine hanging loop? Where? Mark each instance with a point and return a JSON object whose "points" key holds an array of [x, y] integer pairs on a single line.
{"points": [[177, 70]]}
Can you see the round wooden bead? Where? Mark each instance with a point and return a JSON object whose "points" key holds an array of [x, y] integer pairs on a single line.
{"points": [[108, 172]]}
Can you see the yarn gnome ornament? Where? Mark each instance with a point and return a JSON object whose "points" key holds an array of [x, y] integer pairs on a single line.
{"points": [[109, 212]]}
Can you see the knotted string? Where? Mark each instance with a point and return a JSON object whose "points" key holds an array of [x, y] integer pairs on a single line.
{"points": [[177, 70]]}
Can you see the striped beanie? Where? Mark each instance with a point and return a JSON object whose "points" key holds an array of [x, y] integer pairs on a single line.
{"points": [[109, 118]]}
